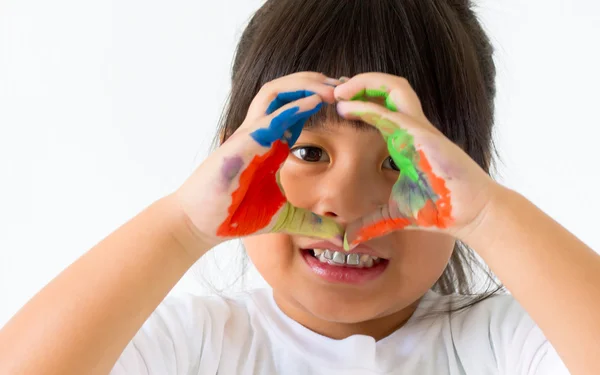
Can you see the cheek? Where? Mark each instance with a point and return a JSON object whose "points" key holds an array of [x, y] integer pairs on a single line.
{"points": [[271, 254], [422, 256], [298, 183]]}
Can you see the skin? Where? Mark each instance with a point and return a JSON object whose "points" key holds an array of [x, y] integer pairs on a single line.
{"points": [[345, 188], [65, 329]]}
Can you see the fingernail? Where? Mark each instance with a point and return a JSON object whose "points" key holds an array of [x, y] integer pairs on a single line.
{"points": [[332, 82], [344, 79]]}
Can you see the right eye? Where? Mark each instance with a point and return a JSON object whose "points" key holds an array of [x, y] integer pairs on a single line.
{"points": [[310, 154]]}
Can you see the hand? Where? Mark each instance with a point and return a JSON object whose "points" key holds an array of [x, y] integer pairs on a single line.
{"points": [[236, 192], [439, 186]]}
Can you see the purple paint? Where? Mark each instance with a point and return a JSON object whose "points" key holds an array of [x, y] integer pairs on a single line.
{"points": [[231, 169]]}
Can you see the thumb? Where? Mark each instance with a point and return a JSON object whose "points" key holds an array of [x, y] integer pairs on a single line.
{"points": [[378, 223], [299, 221]]}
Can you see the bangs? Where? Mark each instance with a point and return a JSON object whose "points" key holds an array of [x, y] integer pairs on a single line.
{"points": [[338, 38], [439, 48]]}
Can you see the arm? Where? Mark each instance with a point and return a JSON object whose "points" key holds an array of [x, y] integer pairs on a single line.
{"points": [[552, 274], [82, 320]]}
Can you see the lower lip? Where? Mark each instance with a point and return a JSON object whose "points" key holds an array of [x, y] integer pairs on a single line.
{"points": [[342, 274]]}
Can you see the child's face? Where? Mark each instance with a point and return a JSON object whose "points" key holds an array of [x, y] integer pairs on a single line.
{"points": [[343, 172]]}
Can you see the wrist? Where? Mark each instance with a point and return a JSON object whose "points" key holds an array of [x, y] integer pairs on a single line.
{"points": [[485, 228], [191, 240]]}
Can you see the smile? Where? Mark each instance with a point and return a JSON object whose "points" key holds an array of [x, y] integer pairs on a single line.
{"points": [[341, 267], [338, 258]]}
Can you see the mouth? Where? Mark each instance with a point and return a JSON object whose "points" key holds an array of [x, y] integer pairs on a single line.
{"points": [[341, 258], [339, 266]]}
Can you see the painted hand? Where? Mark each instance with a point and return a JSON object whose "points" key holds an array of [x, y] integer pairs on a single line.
{"points": [[439, 187], [236, 191]]}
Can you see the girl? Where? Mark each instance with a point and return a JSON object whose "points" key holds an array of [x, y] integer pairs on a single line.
{"points": [[362, 233]]}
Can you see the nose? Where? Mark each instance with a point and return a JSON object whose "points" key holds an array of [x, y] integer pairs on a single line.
{"points": [[346, 193]]}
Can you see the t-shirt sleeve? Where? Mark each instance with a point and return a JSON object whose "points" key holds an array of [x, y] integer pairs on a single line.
{"points": [[520, 346], [182, 336]]}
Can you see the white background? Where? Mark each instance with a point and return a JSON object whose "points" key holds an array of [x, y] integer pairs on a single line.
{"points": [[105, 106]]}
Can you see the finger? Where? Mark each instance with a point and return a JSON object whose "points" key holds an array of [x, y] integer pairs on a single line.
{"points": [[397, 92], [287, 123], [386, 121], [299, 221], [399, 138], [378, 223], [279, 92]]}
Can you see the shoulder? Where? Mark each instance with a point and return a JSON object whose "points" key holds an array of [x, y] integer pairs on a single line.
{"points": [[186, 333], [499, 331]]}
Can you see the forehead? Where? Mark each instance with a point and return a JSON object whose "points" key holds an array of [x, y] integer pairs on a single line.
{"points": [[328, 121]]}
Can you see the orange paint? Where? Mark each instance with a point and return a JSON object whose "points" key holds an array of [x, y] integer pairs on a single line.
{"points": [[258, 198], [380, 228], [438, 214]]}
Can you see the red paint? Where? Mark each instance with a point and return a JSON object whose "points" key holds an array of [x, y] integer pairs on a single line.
{"points": [[258, 198], [438, 214]]}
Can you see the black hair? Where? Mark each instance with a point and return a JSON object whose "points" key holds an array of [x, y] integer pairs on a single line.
{"points": [[439, 46]]}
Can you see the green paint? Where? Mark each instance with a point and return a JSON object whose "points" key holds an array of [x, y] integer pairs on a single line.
{"points": [[299, 221], [366, 94], [399, 142], [346, 245]]}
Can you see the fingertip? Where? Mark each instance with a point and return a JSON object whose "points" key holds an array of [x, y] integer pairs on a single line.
{"points": [[333, 82], [339, 93], [347, 110], [346, 245]]}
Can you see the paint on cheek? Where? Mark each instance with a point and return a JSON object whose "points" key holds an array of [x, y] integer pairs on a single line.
{"points": [[258, 198], [230, 169]]}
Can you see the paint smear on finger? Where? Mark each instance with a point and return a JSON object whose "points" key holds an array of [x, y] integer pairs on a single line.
{"points": [[419, 197]]}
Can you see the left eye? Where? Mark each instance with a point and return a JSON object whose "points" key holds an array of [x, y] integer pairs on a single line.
{"points": [[389, 164], [310, 154]]}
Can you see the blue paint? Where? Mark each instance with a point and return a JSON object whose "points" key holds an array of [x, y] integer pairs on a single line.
{"points": [[290, 120], [284, 98], [316, 219]]}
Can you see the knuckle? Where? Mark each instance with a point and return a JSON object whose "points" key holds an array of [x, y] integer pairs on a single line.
{"points": [[268, 87], [402, 80]]}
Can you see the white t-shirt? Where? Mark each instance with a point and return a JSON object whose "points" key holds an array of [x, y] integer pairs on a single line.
{"points": [[249, 334]]}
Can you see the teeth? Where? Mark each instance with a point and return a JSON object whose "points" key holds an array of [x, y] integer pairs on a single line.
{"points": [[353, 259], [341, 258]]}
